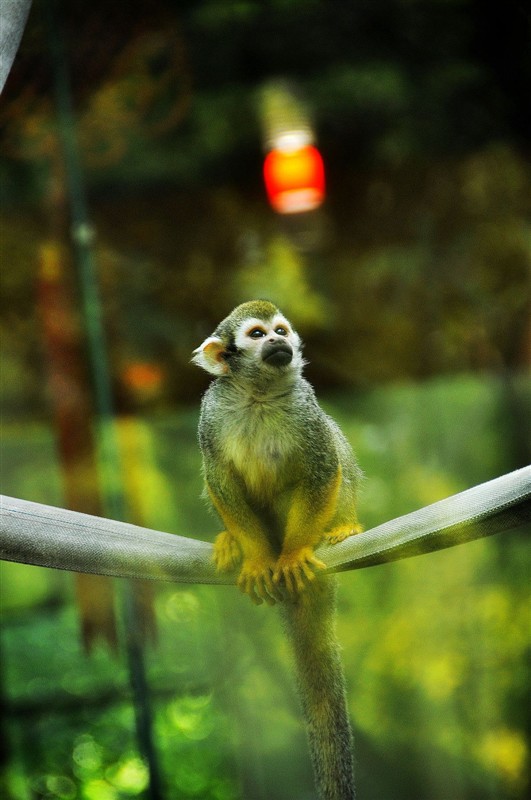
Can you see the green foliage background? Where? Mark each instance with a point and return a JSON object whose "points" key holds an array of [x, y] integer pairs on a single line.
{"points": [[411, 290], [434, 647]]}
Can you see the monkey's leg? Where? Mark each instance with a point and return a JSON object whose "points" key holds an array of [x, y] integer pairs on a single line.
{"points": [[311, 511], [245, 531]]}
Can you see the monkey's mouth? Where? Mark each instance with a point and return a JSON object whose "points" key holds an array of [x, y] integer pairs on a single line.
{"points": [[277, 354]]}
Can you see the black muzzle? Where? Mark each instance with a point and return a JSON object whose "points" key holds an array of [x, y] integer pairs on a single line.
{"points": [[277, 353]]}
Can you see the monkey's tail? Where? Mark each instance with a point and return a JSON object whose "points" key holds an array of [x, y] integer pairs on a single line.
{"points": [[310, 622]]}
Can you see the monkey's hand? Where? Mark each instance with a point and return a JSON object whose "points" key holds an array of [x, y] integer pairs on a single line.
{"points": [[340, 533], [227, 553], [256, 580], [297, 569]]}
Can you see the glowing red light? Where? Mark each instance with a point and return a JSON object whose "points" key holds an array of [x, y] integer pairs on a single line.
{"points": [[294, 179]]}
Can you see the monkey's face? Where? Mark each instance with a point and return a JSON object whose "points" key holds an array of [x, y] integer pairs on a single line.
{"points": [[255, 348], [267, 353]]}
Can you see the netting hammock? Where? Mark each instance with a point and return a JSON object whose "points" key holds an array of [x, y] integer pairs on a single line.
{"points": [[45, 536]]}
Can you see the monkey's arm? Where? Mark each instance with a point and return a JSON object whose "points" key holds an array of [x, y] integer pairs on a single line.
{"points": [[244, 537], [311, 511]]}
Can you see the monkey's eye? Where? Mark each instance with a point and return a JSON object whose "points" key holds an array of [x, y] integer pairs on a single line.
{"points": [[256, 333], [281, 331]]}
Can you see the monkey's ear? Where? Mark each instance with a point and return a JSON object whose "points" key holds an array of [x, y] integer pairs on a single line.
{"points": [[209, 356]]}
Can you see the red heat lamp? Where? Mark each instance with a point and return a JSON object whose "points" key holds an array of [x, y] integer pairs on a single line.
{"points": [[294, 175]]}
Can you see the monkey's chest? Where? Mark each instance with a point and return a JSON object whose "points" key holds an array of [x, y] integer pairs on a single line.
{"points": [[259, 446]]}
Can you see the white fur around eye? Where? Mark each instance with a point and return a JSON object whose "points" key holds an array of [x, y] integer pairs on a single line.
{"points": [[243, 340], [280, 321], [242, 337]]}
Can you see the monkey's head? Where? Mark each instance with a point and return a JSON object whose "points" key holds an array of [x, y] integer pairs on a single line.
{"points": [[255, 343]]}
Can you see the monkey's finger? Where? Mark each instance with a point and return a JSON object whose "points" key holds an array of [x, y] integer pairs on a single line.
{"points": [[277, 575], [262, 590], [339, 535], [246, 586], [273, 591], [308, 572], [303, 575], [281, 577], [288, 580], [254, 597], [297, 582], [316, 562], [279, 589], [243, 582], [291, 580], [257, 587], [281, 594], [269, 599]]}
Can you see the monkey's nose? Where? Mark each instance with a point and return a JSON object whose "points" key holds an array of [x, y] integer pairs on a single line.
{"points": [[277, 352]]}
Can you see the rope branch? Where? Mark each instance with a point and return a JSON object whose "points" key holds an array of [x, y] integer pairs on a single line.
{"points": [[32, 533]]}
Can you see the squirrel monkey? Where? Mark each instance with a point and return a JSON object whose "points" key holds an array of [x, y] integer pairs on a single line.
{"points": [[277, 469], [283, 479]]}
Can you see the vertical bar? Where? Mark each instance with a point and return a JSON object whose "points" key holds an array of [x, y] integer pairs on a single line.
{"points": [[83, 238]]}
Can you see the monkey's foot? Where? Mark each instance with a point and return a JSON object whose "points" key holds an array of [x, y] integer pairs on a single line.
{"points": [[256, 580], [341, 533], [227, 553], [297, 569]]}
